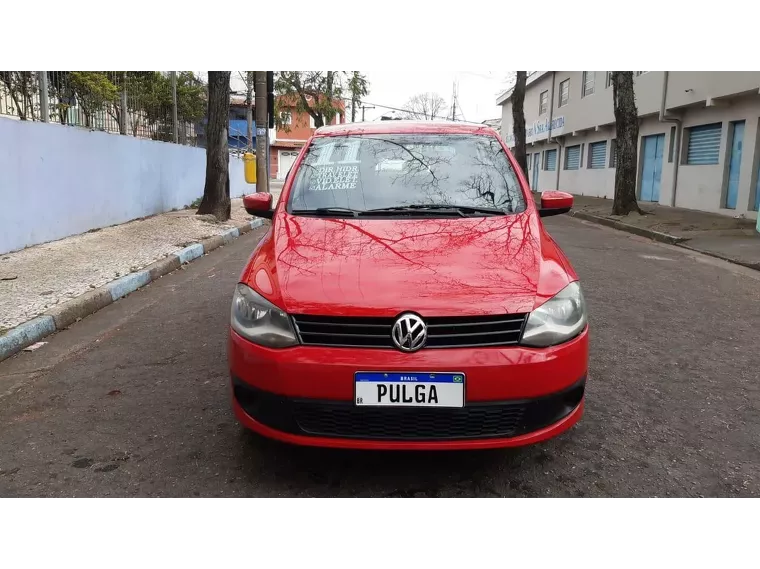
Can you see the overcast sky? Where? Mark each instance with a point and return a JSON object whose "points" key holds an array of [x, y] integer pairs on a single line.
{"points": [[477, 90]]}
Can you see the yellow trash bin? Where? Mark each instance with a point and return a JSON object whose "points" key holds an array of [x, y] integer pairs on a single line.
{"points": [[249, 166]]}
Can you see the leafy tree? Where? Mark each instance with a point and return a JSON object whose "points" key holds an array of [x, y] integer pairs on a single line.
{"points": [[358, 87], [94, 91], [191, 97], [248, 79], [62, 91], [120, 81], [21, 86], [150, 101], [318, 93]]}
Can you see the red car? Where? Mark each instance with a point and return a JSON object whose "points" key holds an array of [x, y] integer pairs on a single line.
{"points": [[407, 296]]}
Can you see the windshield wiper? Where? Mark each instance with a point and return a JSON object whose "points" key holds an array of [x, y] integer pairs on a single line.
{"points": [[439, 208], [339, 211], [461, 210]]}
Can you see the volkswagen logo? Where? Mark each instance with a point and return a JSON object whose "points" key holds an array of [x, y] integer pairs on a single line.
{"points": [[409, 333]]}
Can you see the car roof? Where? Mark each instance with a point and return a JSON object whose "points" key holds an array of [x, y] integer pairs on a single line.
{"points": [[405, 127]]}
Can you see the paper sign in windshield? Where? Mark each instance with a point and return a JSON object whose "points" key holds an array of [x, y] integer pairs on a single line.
{"points": [[336, 177]]}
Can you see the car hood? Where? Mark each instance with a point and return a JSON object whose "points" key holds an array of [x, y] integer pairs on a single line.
{"points": [[432, 266]]}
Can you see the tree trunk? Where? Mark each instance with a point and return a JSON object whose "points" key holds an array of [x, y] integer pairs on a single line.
{"points": [[518, 121], [627, 139], [216, 193]]}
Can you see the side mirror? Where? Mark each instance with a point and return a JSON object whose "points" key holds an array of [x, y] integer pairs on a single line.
{"points": [[259, 204], [555, 203]]}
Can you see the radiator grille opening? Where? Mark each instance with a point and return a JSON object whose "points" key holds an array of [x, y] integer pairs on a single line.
{"points": [[443, 332]]}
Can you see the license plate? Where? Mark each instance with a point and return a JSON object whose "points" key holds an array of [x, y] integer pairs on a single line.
{"points": [[409, 389]]}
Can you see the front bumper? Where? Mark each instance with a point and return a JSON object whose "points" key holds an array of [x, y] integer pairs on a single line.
{"points": [[304, 395]]}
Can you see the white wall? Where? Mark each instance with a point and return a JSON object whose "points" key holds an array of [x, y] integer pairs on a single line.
{"points": [[57, 181]]}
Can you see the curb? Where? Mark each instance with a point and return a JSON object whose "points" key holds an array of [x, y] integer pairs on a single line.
{"points": [[658, 236], [641, 232], [64, 315], [755, 266]]}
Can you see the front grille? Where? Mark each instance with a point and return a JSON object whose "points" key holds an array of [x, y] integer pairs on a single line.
{"points": [[405, 424], [443, 332], [340, 419]]}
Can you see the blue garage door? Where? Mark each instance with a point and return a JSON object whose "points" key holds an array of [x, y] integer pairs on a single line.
{"points": [[734, 165], [651, 170], [598, 153]]}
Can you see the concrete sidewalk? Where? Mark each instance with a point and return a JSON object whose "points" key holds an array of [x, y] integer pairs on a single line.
{"points": [[728, 238], [41, 277], [47, 287]]}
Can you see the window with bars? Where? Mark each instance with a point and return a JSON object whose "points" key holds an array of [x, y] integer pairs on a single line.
{"points": [[564, 92], [589, 78]]}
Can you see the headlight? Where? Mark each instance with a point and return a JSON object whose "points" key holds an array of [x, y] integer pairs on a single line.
{"points": [[260, 321], [558, 320]]}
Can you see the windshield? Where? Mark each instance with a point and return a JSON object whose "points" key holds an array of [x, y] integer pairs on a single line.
{"points": [[369, 172]]}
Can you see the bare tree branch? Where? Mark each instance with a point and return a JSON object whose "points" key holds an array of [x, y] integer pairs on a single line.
{"points": [[425, 106]]}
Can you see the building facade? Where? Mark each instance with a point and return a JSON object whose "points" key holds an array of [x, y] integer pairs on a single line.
{"points": [[699, 136], [289, 139]]}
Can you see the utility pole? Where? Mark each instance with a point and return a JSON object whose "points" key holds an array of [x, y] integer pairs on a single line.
{"points": [[124, 126], [454, 103], [44, 105], [363, 109], [270, 120], [249, 107], [175, 129], [260, 86]]}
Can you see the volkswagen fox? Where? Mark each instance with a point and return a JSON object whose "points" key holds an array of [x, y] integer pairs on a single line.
{"points": [[407, 296]]}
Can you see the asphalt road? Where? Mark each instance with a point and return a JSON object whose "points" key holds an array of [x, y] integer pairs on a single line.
{"points": [[133, 400]]}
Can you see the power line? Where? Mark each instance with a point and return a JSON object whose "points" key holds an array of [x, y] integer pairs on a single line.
{"points": [[397, 109]]}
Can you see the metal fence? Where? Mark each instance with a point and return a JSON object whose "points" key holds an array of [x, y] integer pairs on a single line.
{"points": [[159, 105]]}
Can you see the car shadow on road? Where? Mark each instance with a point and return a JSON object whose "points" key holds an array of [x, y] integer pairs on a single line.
{"points": [[279, 468]]}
